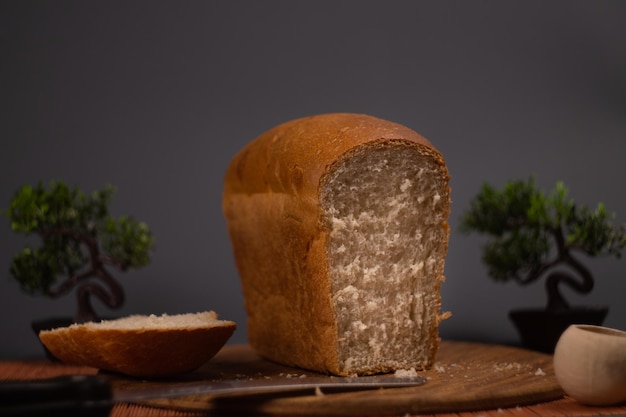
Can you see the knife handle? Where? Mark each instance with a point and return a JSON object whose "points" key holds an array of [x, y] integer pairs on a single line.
{"points": [[76, 395]]}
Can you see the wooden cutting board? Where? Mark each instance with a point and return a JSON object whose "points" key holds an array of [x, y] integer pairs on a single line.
{"points": [[465, 377]]}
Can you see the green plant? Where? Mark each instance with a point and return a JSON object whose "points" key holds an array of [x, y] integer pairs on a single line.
{"points": [[532, 232], [78, 240]]}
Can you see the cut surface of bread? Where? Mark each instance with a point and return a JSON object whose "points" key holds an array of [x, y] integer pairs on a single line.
{"points": [[339, 228], [384, 207], [141, 345]]}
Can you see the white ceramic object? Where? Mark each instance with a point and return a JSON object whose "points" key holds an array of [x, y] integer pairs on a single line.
{"points": [[590, 364]]}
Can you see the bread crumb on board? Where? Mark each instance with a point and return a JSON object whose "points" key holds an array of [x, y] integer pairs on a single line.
{"points": [[292, 375], [405, 373]]}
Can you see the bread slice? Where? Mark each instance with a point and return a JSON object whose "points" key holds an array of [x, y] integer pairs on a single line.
{"points": [[339, 229], [141, 346]]}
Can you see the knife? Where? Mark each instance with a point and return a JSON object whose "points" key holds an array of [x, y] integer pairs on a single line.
{"points": [[94, 394]]}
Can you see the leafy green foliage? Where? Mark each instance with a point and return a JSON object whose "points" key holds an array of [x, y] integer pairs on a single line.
{"points": [[78, 236], [127, 240], [526, 227]]}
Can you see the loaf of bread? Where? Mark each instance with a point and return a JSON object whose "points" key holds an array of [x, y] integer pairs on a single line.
{"points": [[141, 346], [338, 224]]}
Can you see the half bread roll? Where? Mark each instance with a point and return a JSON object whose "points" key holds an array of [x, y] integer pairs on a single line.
{"points": [[141, 346]]}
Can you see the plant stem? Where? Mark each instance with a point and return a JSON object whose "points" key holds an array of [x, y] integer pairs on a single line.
{"points": [[113, 298], [556, 301]]}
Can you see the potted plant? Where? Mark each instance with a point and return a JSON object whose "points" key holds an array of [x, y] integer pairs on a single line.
{"points": [[534, 235], [80, 241]]}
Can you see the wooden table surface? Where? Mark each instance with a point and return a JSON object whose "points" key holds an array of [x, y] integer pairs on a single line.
{"points": [[43, 368]]}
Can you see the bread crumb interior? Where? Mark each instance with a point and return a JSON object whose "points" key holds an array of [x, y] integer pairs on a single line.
{"points": [[152, 321], [386, 210]]}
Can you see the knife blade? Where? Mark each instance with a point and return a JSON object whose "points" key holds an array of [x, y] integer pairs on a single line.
{"points": [[95, 394]]}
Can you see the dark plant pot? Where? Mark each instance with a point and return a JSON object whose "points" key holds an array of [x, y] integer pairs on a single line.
{"points": [[540, 329], [49, 324]]}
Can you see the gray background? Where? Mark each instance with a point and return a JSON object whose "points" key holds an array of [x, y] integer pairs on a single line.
{"points": [[156, 97]]}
